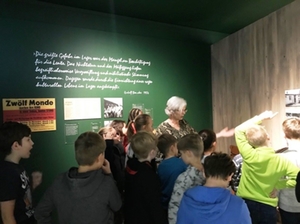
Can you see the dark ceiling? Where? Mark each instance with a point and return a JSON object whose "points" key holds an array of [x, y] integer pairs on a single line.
{"points": [[213, 15]]}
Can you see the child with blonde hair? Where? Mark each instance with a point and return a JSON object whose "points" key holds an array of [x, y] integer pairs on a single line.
{"points": [[142, 186], [113, 155], [289, 207], [262, 170]]}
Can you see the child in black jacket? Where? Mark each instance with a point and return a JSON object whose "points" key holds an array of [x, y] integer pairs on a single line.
{"points": [[142, 186]]}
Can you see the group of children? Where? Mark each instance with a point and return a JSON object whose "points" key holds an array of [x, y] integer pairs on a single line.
{"points": [[263, 171], [190, 185]]}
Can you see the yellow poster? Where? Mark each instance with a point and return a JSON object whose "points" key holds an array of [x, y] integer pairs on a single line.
{"points": [[38, 113]]}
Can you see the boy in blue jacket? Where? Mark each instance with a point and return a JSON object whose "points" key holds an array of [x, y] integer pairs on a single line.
{"points": [[170, 168], [213, 203]]}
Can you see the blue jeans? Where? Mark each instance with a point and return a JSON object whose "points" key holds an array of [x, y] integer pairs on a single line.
{"points": [[261, 213], [289, 217]]}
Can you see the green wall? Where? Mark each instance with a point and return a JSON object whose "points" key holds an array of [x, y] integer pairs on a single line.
{"points": [[180, 65]]}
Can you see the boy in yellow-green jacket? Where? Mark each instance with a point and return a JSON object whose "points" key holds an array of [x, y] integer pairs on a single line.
{"points": [[262, 170]]}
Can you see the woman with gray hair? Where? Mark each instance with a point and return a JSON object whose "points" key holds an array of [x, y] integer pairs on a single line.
{"points": [[175, 124]]}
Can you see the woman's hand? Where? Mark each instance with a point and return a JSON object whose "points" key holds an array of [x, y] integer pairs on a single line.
{"points": [[225, 133]]}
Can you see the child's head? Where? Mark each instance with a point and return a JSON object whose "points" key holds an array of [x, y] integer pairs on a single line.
{"points": [[119, 126], [15, 137], [167, 145], [291, 128], [190, 146], [107, 132], [257, 136], [133, 113], [209, 139], [142, 122], [88, 147], [219, 166], [144, 144]]}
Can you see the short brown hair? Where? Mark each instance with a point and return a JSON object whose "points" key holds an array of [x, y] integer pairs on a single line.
{"points": [[142, 143], [165, 141], [191, 142], [88, 146], [291, 128], [257, 135], [218, 165]]}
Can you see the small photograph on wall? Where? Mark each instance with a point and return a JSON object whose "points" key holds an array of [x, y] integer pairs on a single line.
{"points": [[292, 103], [107, 123], [139, 106], [149, 111], [113, 107]]}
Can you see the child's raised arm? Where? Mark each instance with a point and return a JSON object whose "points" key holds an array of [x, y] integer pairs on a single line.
{"points": [[245, 148], [268, 114]]}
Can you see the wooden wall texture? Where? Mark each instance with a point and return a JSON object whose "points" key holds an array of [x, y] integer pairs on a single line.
{"points": [[252, 68]]}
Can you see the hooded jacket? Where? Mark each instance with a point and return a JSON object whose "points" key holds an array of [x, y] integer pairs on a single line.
{"points": [[212, 205], [142, 194], [78, 198], [262, 169]]}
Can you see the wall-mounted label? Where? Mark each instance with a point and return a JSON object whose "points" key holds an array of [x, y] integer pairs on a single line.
{"points": [[82, 108], [71, 132], [38, 113]]}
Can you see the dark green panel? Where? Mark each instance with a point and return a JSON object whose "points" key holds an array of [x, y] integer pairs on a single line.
{"points": [[177, 68], [214, 15]]}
